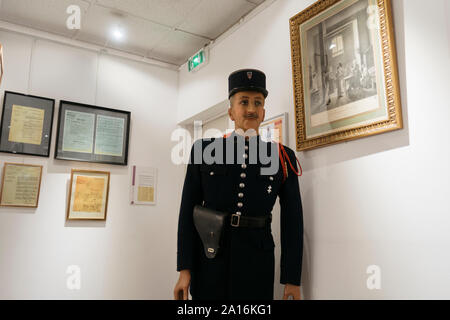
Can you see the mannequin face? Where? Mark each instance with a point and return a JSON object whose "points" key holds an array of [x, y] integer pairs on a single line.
{"points": [[247, 110]]}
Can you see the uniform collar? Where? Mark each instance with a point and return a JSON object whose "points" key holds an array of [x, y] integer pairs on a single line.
{"points": [[235, 135]]}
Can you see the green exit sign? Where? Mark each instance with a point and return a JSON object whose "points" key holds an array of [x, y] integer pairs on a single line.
{"points": [[197, 60]]}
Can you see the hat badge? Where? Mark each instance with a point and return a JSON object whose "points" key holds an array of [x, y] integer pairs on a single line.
{"points": [[249, 75]]}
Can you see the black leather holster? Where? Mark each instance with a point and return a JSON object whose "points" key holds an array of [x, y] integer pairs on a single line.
{"points": [[209, 224]]}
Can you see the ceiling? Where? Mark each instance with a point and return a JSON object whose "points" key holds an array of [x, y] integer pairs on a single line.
{"points": [[166, 30]]}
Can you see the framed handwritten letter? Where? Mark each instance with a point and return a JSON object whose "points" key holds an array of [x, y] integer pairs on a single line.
{"points": [[26, 125], [88, 195], [344, 72], [21, 184], [92, 133]]}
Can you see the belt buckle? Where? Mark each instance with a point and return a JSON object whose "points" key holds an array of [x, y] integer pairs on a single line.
{"points": [[233, 223]]}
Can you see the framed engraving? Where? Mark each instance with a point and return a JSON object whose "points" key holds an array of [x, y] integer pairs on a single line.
{"points": [[275, 129], [344, 72], [88, 195], [26, 125], [92, 133], [21, 184]]}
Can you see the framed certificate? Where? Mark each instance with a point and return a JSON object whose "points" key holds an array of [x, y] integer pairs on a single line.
{"points": [[21, 184], [275, 129], [92, 134], [88, 195], [26, 125], [344, 72]]}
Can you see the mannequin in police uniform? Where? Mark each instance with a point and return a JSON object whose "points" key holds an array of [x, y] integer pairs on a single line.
{"points": [[244, 266]]}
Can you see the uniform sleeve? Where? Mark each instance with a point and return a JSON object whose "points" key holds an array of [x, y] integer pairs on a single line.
{"points": [[291, 224], [191, 195]]}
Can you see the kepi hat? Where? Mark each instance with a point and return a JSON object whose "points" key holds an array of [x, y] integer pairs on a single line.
{"points": [[247, 80]]}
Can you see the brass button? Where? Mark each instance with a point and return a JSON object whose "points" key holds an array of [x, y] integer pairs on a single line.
{"points": [[240, 195], [245, 156], [211, 173], [271, 178], [243, 175], [241, 185], [240, 204], [246, 147], [244, 166], [238, 213]]}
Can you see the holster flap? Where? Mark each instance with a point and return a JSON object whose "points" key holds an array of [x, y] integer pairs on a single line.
{"points": [[209, 224]]}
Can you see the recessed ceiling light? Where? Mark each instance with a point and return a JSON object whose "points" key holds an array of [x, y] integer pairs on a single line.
{"points": [[118, 33]]}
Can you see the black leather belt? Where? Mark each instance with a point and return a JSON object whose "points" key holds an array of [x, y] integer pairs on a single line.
{"points": [[250, 222]]}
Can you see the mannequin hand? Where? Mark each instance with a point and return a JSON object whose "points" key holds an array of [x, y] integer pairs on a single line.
{"points": [[181, 288], [291, 290]]}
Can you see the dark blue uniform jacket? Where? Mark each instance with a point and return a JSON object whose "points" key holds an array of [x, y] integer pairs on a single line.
{"points": [[244, 266]]}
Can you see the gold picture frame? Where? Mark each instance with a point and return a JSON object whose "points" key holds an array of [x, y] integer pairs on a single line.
{"points": [[345, 76], [21, 185], [88, 195]]}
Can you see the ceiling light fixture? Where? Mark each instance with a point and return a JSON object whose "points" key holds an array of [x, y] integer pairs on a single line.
{"points": [[118, 33]]}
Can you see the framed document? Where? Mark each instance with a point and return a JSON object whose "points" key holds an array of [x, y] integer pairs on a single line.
{"points": [[344, 72], [91, 133], [143, 185], [88, 195], [21, 184], [275, 129], [1, 63], [26, 125]]}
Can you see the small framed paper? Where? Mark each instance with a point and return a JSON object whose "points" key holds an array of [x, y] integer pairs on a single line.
{"points": [[26, 125], [21, 185], [91, 133], [88, 195], [143, 185], [275, 129]]}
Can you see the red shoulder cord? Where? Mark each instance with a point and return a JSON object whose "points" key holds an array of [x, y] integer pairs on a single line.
{"points": [[283, 157]]}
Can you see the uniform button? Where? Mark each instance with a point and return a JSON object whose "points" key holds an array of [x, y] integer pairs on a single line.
{"points": [[240, 195], [241, 185], [240, 204], [271, 178], [246, 147], [211, 173], [238, 213], [243, 166], [245, 156], [243, 175]]}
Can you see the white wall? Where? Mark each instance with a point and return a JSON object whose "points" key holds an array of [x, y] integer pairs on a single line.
{"points": [[133, 254], [381, 200]]}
